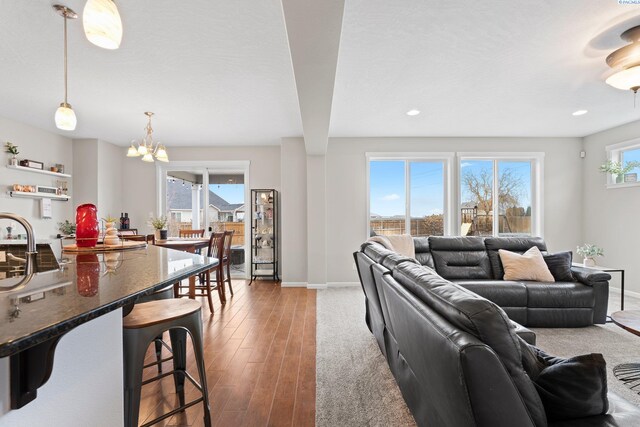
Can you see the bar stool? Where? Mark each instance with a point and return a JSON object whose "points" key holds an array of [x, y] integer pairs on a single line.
{"points": [[164, 293], [144, 323]]}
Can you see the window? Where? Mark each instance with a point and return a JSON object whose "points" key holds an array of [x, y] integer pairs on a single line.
{"points": [[497, 195], [408, 196], [628, 154]]}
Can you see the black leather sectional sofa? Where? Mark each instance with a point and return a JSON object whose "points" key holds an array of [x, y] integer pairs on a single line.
{"points": [[474, 263], [455, 355]]}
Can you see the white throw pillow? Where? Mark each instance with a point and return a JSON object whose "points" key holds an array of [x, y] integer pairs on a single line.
{"points": [[528, 266]]}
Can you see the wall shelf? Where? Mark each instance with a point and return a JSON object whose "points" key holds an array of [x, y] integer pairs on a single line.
{"points": [[37, 195], [44, 172]]}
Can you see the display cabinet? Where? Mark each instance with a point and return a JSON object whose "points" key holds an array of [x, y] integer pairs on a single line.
{"points": [[264, 234]]}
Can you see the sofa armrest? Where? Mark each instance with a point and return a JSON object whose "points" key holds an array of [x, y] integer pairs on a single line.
{"points": [[589, 276], [526, 334]]}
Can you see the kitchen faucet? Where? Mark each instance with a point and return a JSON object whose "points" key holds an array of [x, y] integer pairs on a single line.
{"points": [[31, 239]]}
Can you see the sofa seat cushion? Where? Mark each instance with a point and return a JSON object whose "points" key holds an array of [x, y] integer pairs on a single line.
{"points": [[559, 295], [502, 292]]}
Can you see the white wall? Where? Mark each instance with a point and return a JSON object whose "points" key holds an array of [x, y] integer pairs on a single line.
{"points": [[611, 215], [347, 189], [85, 388], [293, 205], [98, 177], [34, 144]]}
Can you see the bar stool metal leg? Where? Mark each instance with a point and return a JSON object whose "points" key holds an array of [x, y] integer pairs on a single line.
{"points": [[179, 344], [195, 329]]}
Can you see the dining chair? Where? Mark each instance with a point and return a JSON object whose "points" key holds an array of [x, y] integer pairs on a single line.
{"points": [[216, 247], [225, 261], [134, 237], [192, 233]]}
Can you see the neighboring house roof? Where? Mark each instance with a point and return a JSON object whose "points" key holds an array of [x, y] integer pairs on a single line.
{"points": [[179, 198]]}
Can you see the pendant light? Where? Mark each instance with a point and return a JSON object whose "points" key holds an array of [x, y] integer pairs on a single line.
{"points": [[65, 117], [102, 23], [147, 148]]}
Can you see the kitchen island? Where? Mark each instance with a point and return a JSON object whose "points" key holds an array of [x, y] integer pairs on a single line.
{"points": [[75, 312]]}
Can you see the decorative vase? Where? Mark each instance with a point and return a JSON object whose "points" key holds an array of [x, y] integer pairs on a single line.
{"points": [[87, 274], [156, 234], [111, 235], [163, 234], [87, 226], [619, 179], [13, 161], [589, 262]]}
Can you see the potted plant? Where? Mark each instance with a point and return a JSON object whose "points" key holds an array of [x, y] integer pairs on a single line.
{"points": [[589, 252], [617, 170], [13, 150], [67, 228], [159, 224]]}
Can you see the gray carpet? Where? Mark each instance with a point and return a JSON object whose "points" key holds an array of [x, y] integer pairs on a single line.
{"points": [[356, 388], [354, 384], [616, 345]]}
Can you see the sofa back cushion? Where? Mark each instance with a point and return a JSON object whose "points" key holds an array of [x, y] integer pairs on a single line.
{"points": [[460, 257], [423, 252], [477, 316], [375, 251], [513, 244]]}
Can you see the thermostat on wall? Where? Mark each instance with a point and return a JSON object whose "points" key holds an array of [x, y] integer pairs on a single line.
{"points": [[45, 208]]}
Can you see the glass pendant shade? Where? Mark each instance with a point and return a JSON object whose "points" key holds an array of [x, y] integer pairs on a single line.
{"points": [[148, 158], [133, 152], [102, 23], [628, 79], [65, 117], [161, 154], [142, 150]]}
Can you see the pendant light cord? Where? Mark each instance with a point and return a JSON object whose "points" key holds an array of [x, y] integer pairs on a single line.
{"points": [[65, 59]]}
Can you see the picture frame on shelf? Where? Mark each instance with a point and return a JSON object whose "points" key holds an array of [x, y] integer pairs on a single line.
{"points": [[33, 164]]}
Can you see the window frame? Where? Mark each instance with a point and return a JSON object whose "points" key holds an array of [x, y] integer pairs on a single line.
{"points": [[614, 153], [537, 187], [447, 160]]}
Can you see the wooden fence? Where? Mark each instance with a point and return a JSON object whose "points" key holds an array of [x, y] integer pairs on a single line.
{"points": [[217, 226]]}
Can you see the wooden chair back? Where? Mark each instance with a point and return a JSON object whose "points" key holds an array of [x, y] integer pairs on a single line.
{"points": [[192, 233], [226, 254], [216, 245]]}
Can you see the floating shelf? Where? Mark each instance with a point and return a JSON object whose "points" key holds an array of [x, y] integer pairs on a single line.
{"points": [[38, 195], [44, 172]]}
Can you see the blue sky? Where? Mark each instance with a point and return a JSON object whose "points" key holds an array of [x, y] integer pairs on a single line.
{"points": [[387, 185], [630, 156], [232, 193]]}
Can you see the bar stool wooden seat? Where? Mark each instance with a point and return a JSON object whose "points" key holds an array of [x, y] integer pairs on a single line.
{"points": [[145, 322]]}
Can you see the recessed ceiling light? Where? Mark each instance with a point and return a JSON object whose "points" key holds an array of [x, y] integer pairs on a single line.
{"points": [[579, 112], [413, 112]]}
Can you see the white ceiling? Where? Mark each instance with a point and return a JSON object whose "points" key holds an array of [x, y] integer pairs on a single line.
{"points": [[479, 68], [220, 72], [214, 72]]}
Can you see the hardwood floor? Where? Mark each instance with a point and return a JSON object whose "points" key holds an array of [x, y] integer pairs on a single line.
{"points": [[260, 351]]}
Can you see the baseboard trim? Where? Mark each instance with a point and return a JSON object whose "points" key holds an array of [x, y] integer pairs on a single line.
{"points": [[317, 286], [342, 284], [293, 284]]}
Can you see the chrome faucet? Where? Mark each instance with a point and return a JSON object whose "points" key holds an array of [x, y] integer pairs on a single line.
{"points": [[31, 236]]}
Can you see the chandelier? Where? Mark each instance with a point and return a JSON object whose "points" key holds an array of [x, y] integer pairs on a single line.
{"points": [[146, 147]]}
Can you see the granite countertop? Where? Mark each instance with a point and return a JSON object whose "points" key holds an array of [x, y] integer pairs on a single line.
{"points": [[89, 285]]}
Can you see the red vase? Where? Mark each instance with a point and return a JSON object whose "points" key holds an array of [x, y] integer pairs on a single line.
{"points": [[87, 226], [87, 274]]}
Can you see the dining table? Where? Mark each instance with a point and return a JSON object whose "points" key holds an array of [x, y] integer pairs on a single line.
{"points": [[191, 245]]}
